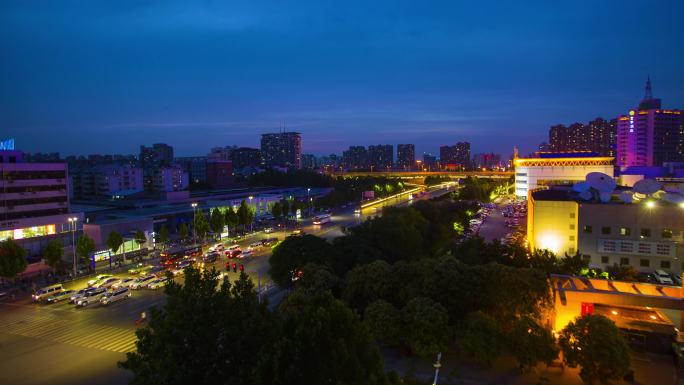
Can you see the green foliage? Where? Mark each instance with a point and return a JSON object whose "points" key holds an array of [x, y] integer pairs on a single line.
{"points": [[432, 180], [293, 177], [367, 283], [531, 343], [478, 189], [383, 321], [140, 238], [347, 190], [285, 204], [231, 218], [479, 338], [183, 231], [622, 273], [12, 258], [216, 221], [53, 253], [277, 210], [245, 214], [114, 241], [426, 326], [293, 253], [201, 224], [203, 335], [163, 234], [321, 342], [85, 247], [317, 278], [594, 343]]}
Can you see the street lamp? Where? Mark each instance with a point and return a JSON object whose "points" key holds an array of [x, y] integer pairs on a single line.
{"points": [[308, 190], [194, 222], [250, 204], [72, 227]]}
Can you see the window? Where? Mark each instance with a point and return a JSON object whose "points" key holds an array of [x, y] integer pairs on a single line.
{"points": [[571, 238], [645, 233], [605, 259], [667, 233], [572, 215], [624, 261], [587, 229], [644, 262], [586, 258], [605, 230], [572, 227], [571, 251], [626, 231], [664, 264]]}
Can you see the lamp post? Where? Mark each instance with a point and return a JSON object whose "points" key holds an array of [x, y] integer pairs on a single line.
{"points": [[194, 222], [72, 226], [308, 191], [250, 207]]}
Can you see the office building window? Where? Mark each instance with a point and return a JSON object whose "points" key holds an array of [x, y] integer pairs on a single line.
{"points": [[664, 264], [626, 231], [586, 257], [571, 251], [605, 230], [572, 215], [624, 261], [667, 233], [644, 263], [572, 227], [605, 259], [645, 233], [571, 238], [587, 229]]}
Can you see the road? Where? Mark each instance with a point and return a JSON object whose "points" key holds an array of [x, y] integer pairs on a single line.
{"points": [[61, 344]]}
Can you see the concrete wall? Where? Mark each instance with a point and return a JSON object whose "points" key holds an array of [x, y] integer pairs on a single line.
{"points": [[553, 226]]}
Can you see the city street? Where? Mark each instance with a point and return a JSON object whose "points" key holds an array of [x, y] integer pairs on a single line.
{"points": [[62, 344]]}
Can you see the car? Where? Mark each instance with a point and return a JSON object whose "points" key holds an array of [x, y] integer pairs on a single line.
{"points": [[61, 296], [139, 269], [123, 282], [156, 270], [268, 230], [143, 281], [269, 241], [46, 292], [116, 295], [108, 282], [297, 232], [79, 294], [677, 279], [91, 296], [94, 282], [256, 245], [245, 254], [663, 278], [158, 283]]}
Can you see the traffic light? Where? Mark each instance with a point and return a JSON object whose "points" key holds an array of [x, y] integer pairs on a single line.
{"points": [[234, 267], [242, 267]]}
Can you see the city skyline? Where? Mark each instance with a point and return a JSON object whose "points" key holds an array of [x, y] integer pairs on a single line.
{"points": [[429, 76]]}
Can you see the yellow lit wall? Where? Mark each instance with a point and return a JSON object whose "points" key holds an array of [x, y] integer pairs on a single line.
{"points": [[552, 225]]}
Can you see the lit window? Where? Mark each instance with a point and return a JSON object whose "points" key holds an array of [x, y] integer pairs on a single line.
{"points": [[667, 233], [626, 231]]}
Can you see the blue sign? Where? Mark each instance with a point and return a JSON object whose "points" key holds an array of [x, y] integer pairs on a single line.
{"points": [[7, 144]]}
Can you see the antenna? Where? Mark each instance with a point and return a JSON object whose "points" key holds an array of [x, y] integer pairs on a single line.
{"points": [[649, 92]]}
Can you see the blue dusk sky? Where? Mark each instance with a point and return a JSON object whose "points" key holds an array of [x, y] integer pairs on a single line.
{"points": [[84, 77]]}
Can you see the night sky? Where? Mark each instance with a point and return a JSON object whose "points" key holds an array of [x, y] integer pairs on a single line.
{"points": [[84, 77]]}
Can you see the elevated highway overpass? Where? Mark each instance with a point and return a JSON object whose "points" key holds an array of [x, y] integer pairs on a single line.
{"points": [[423, 174]]}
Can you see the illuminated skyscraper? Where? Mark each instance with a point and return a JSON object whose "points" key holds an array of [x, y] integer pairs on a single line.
{"points": [[282, 149], [406, 155]]}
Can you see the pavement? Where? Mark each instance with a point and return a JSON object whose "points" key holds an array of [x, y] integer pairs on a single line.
{"points": [[62, 344]]}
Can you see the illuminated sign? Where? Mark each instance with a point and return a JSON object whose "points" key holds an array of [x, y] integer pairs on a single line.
{"points": [[7, 144]]}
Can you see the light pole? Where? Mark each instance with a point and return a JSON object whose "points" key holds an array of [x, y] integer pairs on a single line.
{"points": [[308, 191], [72, 226], [250, 207], [194, 222], [437, 365]]}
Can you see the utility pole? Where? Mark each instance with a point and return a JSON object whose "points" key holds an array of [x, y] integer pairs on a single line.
{"points": [[437, 365], [73, 224], [194, 223]]}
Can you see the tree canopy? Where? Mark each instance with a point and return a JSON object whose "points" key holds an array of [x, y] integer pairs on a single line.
{"points": [[217, 221], [295, 252], [114, 241], [12, 258], [85, 246], [53, 254]]}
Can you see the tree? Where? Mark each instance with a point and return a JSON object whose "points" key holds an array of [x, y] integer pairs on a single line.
{"points": [[479, 337], [367, 283], [383, 321], [140, 238], [321, 342], [317, 278], [200, 224], [294, 206], [286, 207], [530, 343], [163, 235], [595, 343], [277, 210], [85, 247], [203, 335], [217, 221], [426, 326], [12, 258], [114, 241], [183, 231], [232, 218], [293, 253], [622, 273], [243, 214], [53, 253]]}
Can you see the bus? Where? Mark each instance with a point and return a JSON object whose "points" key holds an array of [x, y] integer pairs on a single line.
{"points": [[170, 257], [322, 218]]}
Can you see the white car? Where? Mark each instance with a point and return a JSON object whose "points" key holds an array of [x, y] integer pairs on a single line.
{"points": [[268, 230], [92, 296], [142, 281], [158, 283], [108, 282], [123, 282], [116, 295], [663, 278], [79, 294], [98, 278]]}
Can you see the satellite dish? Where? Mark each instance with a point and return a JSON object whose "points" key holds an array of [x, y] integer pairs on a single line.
{"points": [[646, 186], [585, 195], [659, 194], [580, 186], [601, 182], [626, 196], [605, 196], [673, 198]]}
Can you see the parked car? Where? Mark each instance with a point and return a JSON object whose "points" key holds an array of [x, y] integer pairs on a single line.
{"points": [[108, 282], [61, 296], [79, 294], [46, 292], [92, 296], [158, 283], [269, 241], [245, 254], [139, 269], [123, 282], [256, 245], [116, 295], [268, 230], [663, 278], [211, 258], [95, 281], [143, 281]]}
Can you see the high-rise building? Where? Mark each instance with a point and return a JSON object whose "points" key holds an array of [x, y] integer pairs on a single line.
{"points": [[355, 158], [221, 153], [597, 136], [406, 156], [486, 160], [429, 162], [106, 180], [648, 135], [244, 157], [457, 156], [195, 166], [170, 179], [152, 160], [309, 161], [381, 156], [282, 149], [219, 173]]}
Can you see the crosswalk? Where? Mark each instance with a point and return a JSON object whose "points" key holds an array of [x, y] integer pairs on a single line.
{"points": [[54, 328]]}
